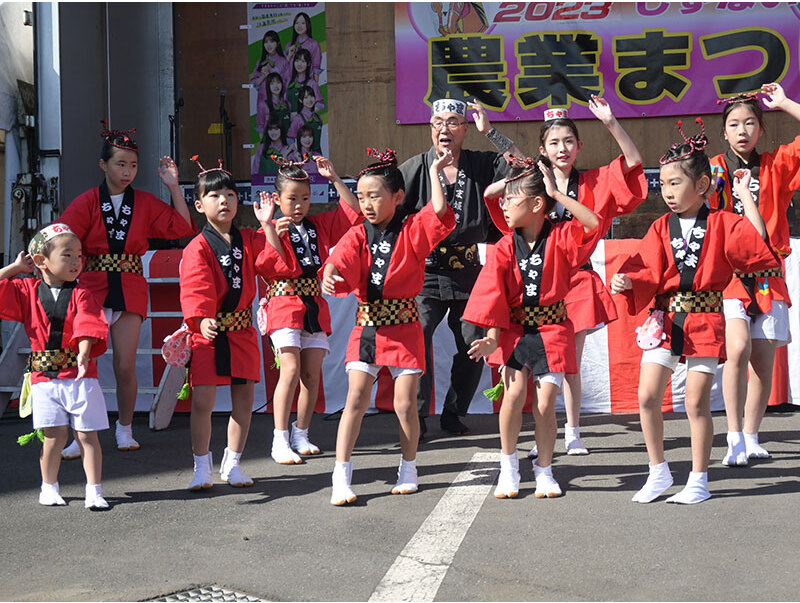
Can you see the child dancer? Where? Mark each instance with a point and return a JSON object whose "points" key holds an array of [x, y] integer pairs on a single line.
{"points": [[217, 277], [756, 304], [519, 298], [609, 191], [68, 331], [685, 261], [113, 223], [272, 61], [298, 317], [383, 263], [302, 77]]}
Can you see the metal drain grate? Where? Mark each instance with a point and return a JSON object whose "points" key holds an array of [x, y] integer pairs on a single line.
{"points": [[210, 593]]}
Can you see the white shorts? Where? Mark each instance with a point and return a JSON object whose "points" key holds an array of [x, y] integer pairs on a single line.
{"points": [[665, 357], [75, 402], [298, 338], [111, 315], [556, 379], [773, 325], [373, 369]]}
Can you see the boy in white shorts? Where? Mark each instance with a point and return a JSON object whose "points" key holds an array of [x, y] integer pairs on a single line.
{"points": [[67, 330]]}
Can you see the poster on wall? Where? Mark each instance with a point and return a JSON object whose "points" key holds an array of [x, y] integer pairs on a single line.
{"points": [[645, 58], [289, 89]]}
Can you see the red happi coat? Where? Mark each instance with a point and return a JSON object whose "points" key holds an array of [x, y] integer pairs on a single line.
{"points": [[151, 218], [19, 301], [500, 287], [396, 345], [203, 289], [730, 243], [288, 311], [779, 177], [609, 192]]}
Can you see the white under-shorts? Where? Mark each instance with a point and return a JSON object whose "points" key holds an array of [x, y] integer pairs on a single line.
{"points": [[75, 402], [373, 369], [772, 325], [665, 357], [298, 338]]}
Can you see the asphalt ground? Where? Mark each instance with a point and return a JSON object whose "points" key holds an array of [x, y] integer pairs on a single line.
{"points": [[282, 540]]}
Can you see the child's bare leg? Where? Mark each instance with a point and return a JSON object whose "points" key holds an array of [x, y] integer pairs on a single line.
{"points": [[310, 374], [286, 386], [238, 427], [653, 379], [203, 399], [544, 414], [282, 452], [405, 407], [762, 362], [544, 405], [573, 390], [125, 340], [698, 410], [358, 398], [50, 456], [734, 387], [241, 414], [93, 467], [734, 373], [515, 384], [92, 456], [49, 462]]}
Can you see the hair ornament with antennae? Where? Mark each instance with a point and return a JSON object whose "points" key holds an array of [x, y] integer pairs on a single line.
{"points": [[118, 138], [742, 97], [285, 164], [693, 144], [528, 163], [385, 159], [196, 159]]}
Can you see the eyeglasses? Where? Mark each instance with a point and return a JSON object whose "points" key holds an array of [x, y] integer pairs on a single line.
{"points": [[512, 201], [452, 123]]}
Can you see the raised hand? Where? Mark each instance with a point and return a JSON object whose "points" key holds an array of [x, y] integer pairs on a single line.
{"points": [[325, 167], [168, 171], [443, 160], [264, 207], [601, 109], [774, 96], [479, 116]]}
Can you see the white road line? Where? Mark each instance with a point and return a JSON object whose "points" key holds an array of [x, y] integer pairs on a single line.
{"points": [[418, 571]]}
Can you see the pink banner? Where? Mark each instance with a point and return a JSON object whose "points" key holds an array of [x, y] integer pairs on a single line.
{"points": [[646, 58]]}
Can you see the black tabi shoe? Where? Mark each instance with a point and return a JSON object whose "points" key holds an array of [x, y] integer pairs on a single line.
{"points": [[451, 423]]}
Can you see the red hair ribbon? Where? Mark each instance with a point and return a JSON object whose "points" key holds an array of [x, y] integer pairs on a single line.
{"points": [[196, 159], [385, 159], [695, 143], [529, 163], [742, 97], [127, 144]]}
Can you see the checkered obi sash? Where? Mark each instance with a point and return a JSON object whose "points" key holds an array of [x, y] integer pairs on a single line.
{"points": [[536, 316], [760, 273], [387, 312], [690, 301], [306, 286], [454, 257], [234, 321], [114, 262], [52, 360]]}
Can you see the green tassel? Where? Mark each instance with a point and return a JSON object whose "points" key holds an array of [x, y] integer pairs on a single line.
{"points": [[26, 439], [186, 389], [277, 363], [494, 393]]}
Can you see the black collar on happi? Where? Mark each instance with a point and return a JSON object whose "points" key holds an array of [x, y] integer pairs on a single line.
{"points": [[117, 228], [231, 259], [310, 263], [732, 163], [686, 254], [56, 312], [573, 187]]}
